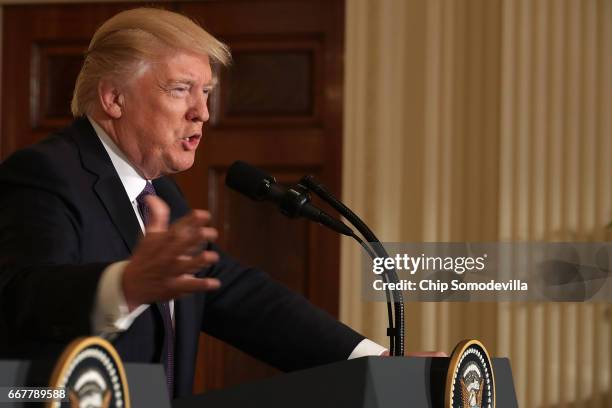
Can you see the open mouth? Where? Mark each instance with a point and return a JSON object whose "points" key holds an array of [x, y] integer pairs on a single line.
{"points": [[191, 142]]}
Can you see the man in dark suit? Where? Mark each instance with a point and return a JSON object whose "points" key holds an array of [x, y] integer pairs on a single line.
{"points": [[95, 240]]}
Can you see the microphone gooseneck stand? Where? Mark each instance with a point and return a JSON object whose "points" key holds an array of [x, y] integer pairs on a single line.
{"points": [[294, 202], [396, 313]]}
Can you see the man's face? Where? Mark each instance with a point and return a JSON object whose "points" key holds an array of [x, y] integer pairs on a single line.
{"points": [[162, 115]]}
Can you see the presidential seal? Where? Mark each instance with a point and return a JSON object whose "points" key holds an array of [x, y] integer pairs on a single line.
{"points": [[469, 381], [92, 374]]}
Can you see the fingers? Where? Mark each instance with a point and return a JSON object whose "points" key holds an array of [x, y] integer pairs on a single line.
{"points": [[194, 236], [165, 261], [189, 284], [196, 218], [210, 234], [191, 264], [192, 246], [159, 214], [187, 235]]}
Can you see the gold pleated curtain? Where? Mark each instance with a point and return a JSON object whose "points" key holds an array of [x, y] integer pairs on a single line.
{"points": [[485, 120]]}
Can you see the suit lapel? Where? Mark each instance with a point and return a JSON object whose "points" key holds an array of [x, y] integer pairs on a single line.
{"points": [[168, 191], [108, 187], [115, 199], [112, 194]]}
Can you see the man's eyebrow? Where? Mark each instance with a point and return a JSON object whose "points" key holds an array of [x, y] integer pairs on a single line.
{"points": [[212, 83], [185, 81], [182, 81]]}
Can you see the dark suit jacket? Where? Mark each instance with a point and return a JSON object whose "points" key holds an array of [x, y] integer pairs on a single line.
{"points": [[65, 217]]}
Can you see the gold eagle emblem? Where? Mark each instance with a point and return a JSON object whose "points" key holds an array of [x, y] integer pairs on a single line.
{"points": [[471, 394]]}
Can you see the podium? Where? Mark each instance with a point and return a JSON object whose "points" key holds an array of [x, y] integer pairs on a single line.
{"points": [[367, 382], [147, 382]]}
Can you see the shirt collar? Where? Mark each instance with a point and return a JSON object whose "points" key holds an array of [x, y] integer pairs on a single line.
{"points": [[133, 183]]}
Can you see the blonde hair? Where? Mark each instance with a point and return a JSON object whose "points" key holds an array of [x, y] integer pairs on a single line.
{"points": [[133, 38]]}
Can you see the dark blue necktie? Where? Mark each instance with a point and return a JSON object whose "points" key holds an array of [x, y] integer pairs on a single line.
{"points": [[164, 306]]}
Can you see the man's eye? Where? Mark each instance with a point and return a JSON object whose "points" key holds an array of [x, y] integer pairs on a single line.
{"points": [[179, 91]]}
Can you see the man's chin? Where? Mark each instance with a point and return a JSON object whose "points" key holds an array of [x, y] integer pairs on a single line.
{"points": [[182, 166], [173, 165]]}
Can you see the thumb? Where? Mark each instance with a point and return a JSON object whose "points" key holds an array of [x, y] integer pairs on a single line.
{"points": [[159, 213]]}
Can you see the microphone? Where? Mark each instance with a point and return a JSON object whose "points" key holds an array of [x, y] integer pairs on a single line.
{"points": [[293, 201]]}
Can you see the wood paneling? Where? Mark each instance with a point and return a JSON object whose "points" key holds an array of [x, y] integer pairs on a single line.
{"points": [[275, 80], [270, 83], [264, 219], [52, 77], [279, 106], [41, 44], [257, 235], [287, 74]]}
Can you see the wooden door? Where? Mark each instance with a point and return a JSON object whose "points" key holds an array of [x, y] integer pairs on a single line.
{"points": [[279, 107]]}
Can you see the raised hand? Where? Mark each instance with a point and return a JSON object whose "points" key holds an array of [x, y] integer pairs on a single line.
{"points": [[163, 264]]}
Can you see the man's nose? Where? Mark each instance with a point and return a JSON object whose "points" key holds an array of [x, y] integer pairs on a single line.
{"points": [[199, 110]]}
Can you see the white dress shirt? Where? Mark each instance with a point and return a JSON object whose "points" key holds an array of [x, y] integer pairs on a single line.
{"points": [[111, 314]]}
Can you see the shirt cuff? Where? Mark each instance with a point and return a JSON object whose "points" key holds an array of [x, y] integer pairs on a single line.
{"points": [[367, 348], [111, 313]]}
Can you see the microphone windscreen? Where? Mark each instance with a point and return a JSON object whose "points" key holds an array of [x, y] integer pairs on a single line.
{"points": [[248, 180]]}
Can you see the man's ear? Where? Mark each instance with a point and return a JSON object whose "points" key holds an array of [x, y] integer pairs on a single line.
{"points": [[111, 99]]}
